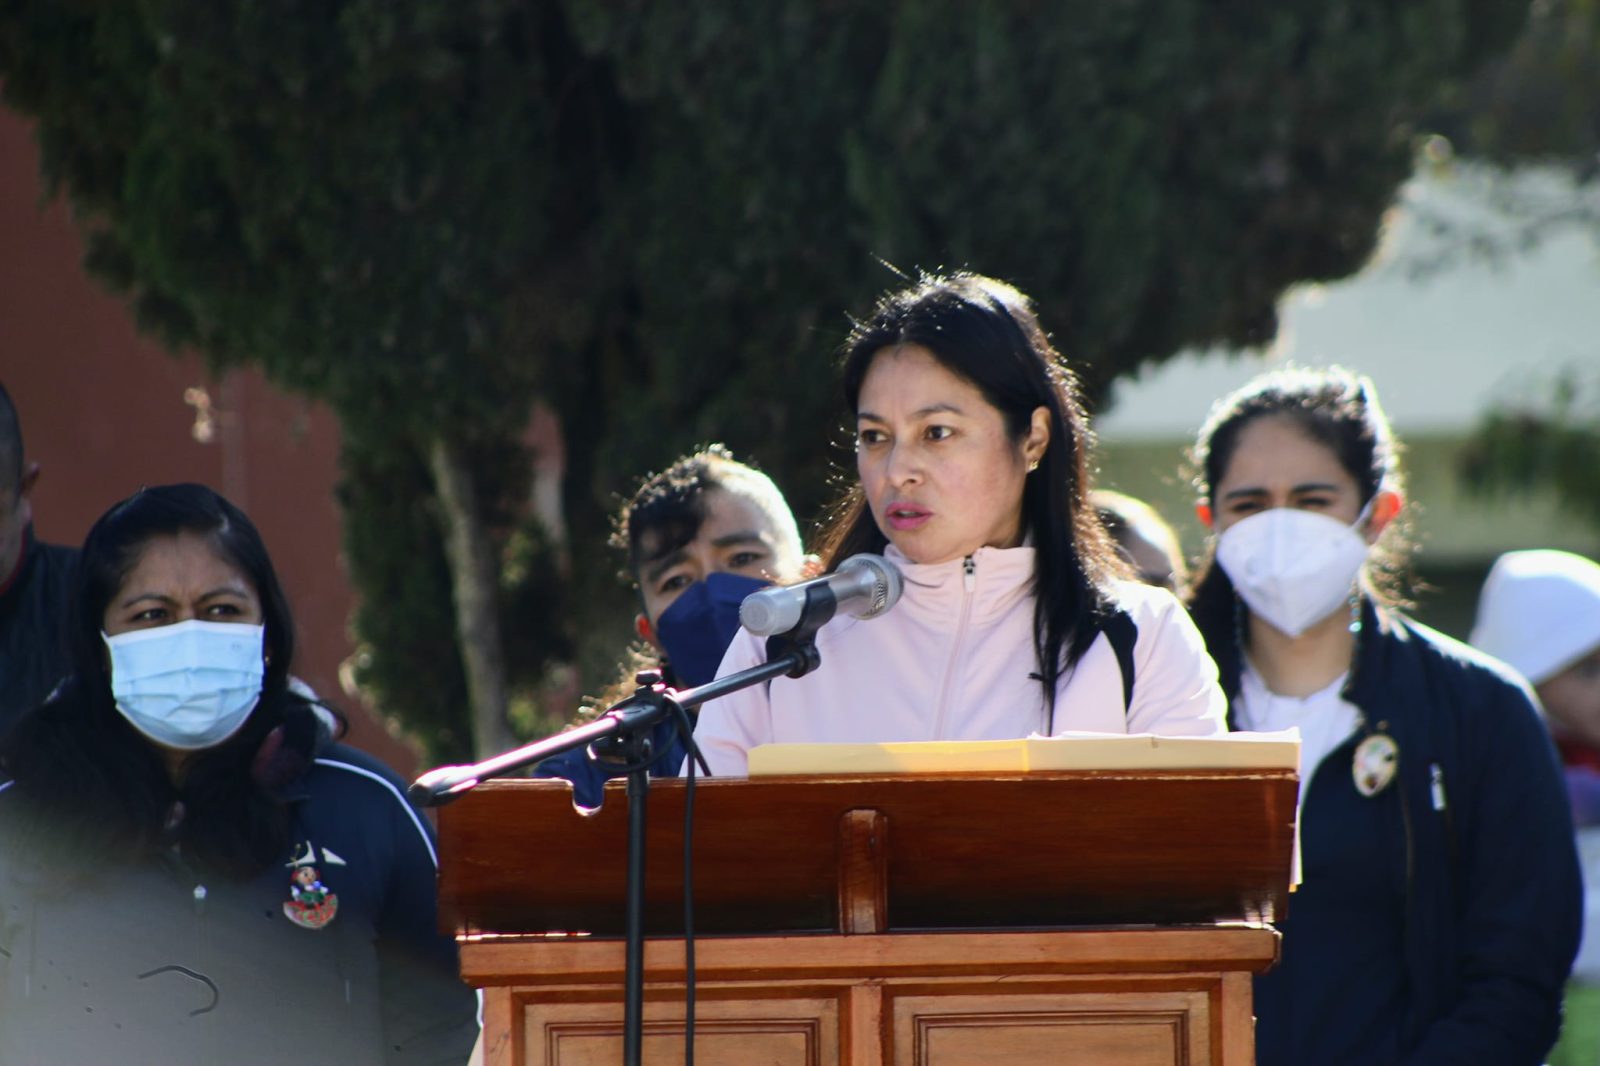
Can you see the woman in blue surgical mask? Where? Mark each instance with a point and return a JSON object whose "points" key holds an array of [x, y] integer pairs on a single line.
{"points": [[180, 833], [1439, 909]]}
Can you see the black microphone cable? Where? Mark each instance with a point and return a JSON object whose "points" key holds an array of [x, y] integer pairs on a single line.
{"points": [[691, 758]]}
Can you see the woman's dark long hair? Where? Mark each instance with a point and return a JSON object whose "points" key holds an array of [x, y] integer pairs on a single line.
{"points": [[96, 779], [986, 332], [1334, 408]]}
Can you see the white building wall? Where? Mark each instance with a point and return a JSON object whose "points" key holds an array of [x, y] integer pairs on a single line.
{"points": [[1442, 347]]}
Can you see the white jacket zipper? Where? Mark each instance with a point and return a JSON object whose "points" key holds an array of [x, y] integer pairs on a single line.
{"points": [[969, 585]]}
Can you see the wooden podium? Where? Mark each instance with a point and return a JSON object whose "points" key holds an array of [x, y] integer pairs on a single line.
{"points": [[1096, 917]]}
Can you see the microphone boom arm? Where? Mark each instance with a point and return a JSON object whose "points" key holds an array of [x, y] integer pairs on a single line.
{"points": [[791, 654], [626, 728]]}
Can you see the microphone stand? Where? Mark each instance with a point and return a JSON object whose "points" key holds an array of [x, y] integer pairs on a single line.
{"points": [[623, 732]]}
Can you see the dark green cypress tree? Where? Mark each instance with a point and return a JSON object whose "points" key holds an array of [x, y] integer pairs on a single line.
{"points": [[656, 219]]}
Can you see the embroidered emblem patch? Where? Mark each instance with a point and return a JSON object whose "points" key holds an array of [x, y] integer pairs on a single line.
{"points": [[310, 905], [1377, 759]]}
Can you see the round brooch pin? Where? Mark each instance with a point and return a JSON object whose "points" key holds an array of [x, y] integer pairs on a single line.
{"points": [[310, 905], [1377, 759]]}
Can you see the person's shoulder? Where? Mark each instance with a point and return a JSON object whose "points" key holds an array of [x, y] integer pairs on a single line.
{"points": [[352, 787], [1456, 659], [64, 554], [1480, 693], [343, 766], [1146, 605], [56, 562]]}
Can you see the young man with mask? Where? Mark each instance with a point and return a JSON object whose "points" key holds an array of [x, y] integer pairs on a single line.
{"points": [[699, 537]]}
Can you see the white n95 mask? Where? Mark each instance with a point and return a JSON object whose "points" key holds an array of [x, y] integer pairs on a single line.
{"points": [[1292, 567], [190, 685]]}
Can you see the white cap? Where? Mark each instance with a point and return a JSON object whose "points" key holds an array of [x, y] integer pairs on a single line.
{"points": [[1539, 612]]}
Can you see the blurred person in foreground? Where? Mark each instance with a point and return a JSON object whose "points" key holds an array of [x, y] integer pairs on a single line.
{"points": [[1540, 613], [1439, 908], [1145, 540], [698, 537], [191, 869], [971, 450], [34, 581]]}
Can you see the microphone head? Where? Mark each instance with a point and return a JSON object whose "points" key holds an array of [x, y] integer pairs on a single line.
{"points": [[764, 614], [865, 585], [886, 582]]}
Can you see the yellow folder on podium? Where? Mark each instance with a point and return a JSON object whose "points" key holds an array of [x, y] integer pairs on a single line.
{"points": [[1066, 751]]}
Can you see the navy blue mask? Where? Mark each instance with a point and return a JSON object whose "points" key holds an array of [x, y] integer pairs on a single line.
{"points": [[696, 629]]}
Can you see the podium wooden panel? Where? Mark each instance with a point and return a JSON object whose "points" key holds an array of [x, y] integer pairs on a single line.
{"points": [[1093, 917]]}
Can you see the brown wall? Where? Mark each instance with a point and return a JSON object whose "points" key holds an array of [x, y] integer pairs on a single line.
{"points": [[105, 411]]}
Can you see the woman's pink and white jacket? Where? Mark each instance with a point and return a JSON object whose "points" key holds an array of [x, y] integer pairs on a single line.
{"points": [[951, 661]]}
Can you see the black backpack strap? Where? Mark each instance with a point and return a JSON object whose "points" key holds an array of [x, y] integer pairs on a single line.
{"points": [[1123, 634]]}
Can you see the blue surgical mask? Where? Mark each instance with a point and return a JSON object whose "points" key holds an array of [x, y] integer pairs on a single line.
{"points": [[696, 629], [190, 685]]}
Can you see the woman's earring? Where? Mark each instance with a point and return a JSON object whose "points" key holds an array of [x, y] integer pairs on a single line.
{"points": [[1355, 611], [1033, 466]]}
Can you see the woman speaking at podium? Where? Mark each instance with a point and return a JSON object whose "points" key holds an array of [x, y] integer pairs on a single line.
{"points": [[972, 455]]}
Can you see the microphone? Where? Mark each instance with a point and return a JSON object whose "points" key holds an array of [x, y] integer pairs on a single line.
{"points": [[863, 586]]}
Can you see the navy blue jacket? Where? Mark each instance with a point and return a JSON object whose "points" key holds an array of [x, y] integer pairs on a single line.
{"points": [[1486, 870], [167, 964], [33, 658]]}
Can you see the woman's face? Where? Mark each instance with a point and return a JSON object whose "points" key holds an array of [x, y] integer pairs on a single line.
{"points": [[178, 578], [941, 474], [1572, 699], [1276, 464]]}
